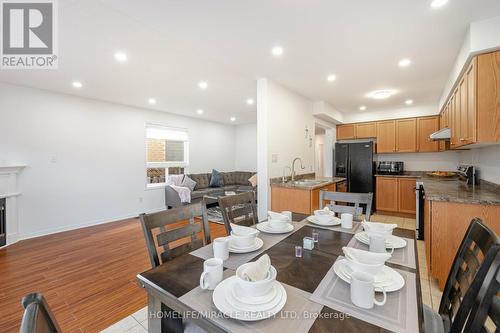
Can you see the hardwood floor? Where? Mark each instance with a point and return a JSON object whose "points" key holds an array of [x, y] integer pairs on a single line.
{"points": [[87, 275]]}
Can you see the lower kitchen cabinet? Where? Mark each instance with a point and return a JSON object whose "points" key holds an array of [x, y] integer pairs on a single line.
{"points": [[296, 199], [396, 195]]}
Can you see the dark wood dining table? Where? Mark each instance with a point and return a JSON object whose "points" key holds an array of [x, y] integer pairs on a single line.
{"points": [[166, 283]]}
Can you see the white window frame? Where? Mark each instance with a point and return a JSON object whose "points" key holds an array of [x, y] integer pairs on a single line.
{"points": [[165, 165]]}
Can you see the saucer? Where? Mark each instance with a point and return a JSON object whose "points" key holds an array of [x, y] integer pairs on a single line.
{"points": [[258, 244], [391, 240], [266, 227], [242, 305], [334, 221]]}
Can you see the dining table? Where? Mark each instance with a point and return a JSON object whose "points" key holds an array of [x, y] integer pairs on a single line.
{"points": [[173, 287]]}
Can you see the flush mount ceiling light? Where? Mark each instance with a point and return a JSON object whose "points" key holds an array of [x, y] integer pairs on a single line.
{"points": [[232, 119], [199, 111], [381, 94], [277, 51], [331, 77], [250, 101], [362, 108], [409, 102], [203, 85], [404, 62], [152, 101], [438, 3], [77, 84], [120, 56]]}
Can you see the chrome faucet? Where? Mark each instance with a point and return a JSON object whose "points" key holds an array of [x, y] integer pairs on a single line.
{"points": [[293, 167], [284, 172]]}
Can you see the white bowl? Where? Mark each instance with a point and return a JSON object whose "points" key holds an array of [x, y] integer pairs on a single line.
{"points": [[255, 288], [277, 224], [242, 241], [324, 218], [356, 266], [322, 212]]}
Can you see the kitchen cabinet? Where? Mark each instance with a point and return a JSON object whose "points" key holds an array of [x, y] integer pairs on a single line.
{"points": [[396, 195], [345, 132], [406, 135], [425, 127], [296, 199], [386, 136], [365, 130]]}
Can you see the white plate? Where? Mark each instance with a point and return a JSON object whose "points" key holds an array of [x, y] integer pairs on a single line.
{"points": [[395, 283], [395, 241], [266, 227], [258, 244], [255, 299], [242, 305], [221, 303], [334, 221]]}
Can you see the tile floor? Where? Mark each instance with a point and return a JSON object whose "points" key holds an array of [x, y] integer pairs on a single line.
{"points": [[431, 295]]}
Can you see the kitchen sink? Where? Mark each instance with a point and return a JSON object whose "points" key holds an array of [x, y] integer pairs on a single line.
{"points": [[307, 182]]}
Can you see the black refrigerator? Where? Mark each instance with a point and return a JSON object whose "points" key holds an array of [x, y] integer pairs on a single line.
{"points": [[354, 161]]}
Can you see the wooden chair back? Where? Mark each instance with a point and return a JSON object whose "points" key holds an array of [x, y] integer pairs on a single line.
{"points": [[474, 258], [351, 198], [37, 317], [240, 209], [165, 221]]}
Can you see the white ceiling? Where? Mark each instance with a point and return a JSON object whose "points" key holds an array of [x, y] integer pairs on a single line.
{"points": [[171, 45]]}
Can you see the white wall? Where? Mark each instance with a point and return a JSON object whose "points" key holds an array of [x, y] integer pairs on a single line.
{"points": [[245, 147], [86, 158], [487, 161], [404, 112], [442, 161], [319, 155]]}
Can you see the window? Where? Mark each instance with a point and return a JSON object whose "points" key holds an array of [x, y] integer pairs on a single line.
{"points": [[167, 153]]}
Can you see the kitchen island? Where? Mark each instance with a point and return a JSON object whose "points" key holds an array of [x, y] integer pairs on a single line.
{"points": [[302, 195]]}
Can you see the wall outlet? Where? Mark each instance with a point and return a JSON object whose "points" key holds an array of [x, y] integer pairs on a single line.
{"points": [[274, 158]]}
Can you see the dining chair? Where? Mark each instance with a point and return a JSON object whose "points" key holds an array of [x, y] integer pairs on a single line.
{"points": [[166, 236], [239, 209], [474, 258], [37, 317], [351, 198]]}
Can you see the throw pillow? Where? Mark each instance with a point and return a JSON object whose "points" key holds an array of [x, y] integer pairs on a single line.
{"points": [[253, 180], [216, 180], [189, 183]]}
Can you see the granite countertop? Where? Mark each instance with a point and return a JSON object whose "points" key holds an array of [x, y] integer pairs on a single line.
{"points": [[452, 189], [322, 182]]}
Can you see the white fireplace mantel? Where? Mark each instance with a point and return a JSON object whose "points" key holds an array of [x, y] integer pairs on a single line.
{"points": [[10, 191]]}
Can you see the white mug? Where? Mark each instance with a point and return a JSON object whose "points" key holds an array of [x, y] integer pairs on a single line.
{"points": [[377, 244], [287, 213], [212, 273], [363, 291], [221, 248], [346, 220]]}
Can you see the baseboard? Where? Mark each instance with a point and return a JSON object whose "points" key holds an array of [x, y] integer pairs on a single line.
{"points": [[82, 225]]}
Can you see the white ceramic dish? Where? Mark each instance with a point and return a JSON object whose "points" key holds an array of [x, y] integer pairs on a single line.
{"points": [[255, 288], [222, 304], [242, 241], [362, 267], [265, 227], [238, 295], [257, 245], [391, 240], [333, 221], [389, 279], [319, 212], [243, 305]]}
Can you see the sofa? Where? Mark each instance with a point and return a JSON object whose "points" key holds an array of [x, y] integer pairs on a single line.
{"points": [[233, 181]]}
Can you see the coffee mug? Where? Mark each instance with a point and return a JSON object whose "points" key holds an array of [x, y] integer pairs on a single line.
{"points": [[221, 248], [346, 220], [363, 291], [378, 245], [212, 273]]}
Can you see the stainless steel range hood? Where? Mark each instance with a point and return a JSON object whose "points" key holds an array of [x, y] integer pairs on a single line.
{"points": [[442, 134]]}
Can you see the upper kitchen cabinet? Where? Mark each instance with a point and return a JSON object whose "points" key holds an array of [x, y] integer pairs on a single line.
{"points": [[425, 127], [386, 136], [366, 130], [345, 132], [406, 135]]}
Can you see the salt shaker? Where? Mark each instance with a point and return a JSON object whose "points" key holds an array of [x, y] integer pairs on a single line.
{"points": [[308, 243]]}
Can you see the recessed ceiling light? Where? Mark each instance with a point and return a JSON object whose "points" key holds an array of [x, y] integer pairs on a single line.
{"points": [[409, 102], [404, 62], [381, 94], [77, 84], [203, 85], [250, 101], [152, 101], [277, 51], [120, 56], [232, 118], [331, 77], [362, 108], [199, 111], [438, 3]]}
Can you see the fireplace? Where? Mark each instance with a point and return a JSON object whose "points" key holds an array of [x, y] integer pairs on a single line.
{"points": [[9, 204], [3, 223]]}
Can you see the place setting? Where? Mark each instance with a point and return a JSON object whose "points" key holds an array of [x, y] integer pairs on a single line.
{"points": [[326, 219], [277, 223]]}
